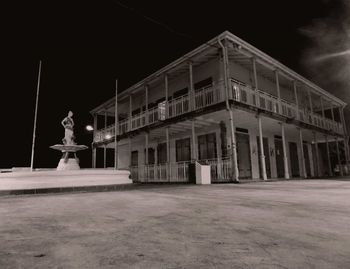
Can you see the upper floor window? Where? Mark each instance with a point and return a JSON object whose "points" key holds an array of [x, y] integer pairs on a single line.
{"points": [[203, 83]]}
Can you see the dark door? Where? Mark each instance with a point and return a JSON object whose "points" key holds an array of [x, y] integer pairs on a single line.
{"points": [[307, 160], [134, 158], [279, 157], [294, 164], [243, 155], [267, 156]]}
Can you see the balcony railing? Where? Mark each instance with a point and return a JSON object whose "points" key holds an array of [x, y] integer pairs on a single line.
{"points": [[173, 172], [212, 95]]}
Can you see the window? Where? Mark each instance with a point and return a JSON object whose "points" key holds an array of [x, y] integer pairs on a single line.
{"points": [[183, 150], [203, 83], [207, 146], [150, 155], [134, 158], [161, 153]]}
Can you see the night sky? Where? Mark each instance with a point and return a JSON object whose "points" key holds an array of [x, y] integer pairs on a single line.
{"points": [[86, 45]]}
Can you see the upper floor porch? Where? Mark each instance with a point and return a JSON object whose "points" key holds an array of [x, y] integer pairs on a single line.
{"points": [[242, 96]]}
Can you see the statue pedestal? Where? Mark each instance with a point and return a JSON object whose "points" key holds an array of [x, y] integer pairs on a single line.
{"points": [[69, 160]]}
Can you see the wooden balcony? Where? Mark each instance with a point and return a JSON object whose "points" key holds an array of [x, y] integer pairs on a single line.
{"points": [[211, 95]]}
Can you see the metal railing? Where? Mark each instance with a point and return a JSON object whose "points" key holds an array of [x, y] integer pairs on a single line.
{"points": [[220, 169], [173, 172]]}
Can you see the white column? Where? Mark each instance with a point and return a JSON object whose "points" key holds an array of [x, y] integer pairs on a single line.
{"points": [[234, 159], [296, 99], [303, 166], [130, 111], [116, 127], [146, 104], [194, 152], [322, 109], [317, 172], [166, 84], [310, 103], [328, 157], [168, 153], [130, 150], [262, 154], [278, 93], [285, 158], [256, 83], [94, 148], [338, 157], [104, 147], [146, 157], [191, 88]]}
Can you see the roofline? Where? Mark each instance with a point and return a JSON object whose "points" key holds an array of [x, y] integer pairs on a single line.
{"points": [[225, 35]]}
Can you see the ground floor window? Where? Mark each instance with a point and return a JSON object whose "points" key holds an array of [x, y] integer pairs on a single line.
{"points": [[183, 150], [134, 158], [161, 153], [207, 146]]}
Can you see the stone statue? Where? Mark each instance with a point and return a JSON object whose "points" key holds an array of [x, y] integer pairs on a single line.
{"points": [[68, 125]]}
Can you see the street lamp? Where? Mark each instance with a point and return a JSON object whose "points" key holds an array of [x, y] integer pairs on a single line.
{"points": [[89, 128]]}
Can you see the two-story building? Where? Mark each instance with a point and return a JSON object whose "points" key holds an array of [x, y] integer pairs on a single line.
{"points": [[229, 105]]}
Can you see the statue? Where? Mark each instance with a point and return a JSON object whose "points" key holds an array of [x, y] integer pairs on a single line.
{"points": [[69, 159], [68, 124]]}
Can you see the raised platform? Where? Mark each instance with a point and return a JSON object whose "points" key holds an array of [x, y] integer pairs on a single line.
{"points": [[52, 181]]}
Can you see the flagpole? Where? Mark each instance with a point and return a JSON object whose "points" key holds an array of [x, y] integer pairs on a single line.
{"points": [[35, 117], [116, 127]]}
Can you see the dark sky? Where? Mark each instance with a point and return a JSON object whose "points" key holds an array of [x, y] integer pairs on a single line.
{"points": [[86, 45]]}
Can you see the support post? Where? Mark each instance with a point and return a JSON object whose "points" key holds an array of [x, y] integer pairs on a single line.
{"points": [[166, 83], [146, 157], [146, 104], [130, 151], [116, 125], [168, 153], [194, 153], [234, 159], [311, 108], [303, 166], [317, 172], [328, 157], [278, 93], [338, 157], [191, 92], [262, 154], [104, 147], [256, 83], [322, 110], [296, 99], [285, 159], [130, 112], [93, 155]]}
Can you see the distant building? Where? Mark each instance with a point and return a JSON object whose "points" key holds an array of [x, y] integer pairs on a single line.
{"points": [[229, 105]]}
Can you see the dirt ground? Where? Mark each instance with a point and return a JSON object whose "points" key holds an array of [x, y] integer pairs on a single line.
{"points": [[292, 224]]}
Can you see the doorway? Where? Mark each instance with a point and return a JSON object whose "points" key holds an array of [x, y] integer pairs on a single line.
{"points": [[279, 157], [293, 155], [243, 155]]}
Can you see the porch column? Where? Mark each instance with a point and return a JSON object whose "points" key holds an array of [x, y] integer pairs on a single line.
{"points": [[104, 147], [94, 148], [168, 153], [328, 157], [146, 158], [256, 83], [285, 159], [130, 150], [338, 157], [166, 95], [322, 110], [146, 104], [130, 112], [193, 152], [317, 172], [310, 103], [262, 154], [278, 92], [303, 166], [116, 128], [93, 156], [332, 113], [191, 91], [296, 100], [234, 159]]}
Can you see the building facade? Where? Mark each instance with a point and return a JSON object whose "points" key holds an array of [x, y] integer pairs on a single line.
{"points": [[228, 105]]}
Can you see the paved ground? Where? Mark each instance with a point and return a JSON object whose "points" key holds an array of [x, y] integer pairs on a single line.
{"points": [[57, 179], [293, 224]]}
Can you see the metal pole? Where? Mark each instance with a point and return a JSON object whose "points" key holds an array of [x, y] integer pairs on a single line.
{"points": [[35, 117], [116, 127]]}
